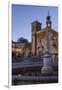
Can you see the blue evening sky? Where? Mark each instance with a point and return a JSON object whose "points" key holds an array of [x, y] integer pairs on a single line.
{"points": [[24, 15]]}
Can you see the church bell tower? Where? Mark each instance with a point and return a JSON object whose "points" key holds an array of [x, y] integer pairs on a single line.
{"points": [[36, 26], [48, 21]]}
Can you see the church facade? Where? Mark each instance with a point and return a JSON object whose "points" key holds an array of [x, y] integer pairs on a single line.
{"points": [[44, 38]]}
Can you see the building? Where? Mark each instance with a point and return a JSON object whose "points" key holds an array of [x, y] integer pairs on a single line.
{"points": [[40, 36], [20, 48]]}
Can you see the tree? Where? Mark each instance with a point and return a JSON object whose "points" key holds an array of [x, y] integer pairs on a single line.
{"points": [[22, 40]]}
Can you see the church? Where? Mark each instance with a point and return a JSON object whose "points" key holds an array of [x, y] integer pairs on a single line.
{"points": [[43, 38]]}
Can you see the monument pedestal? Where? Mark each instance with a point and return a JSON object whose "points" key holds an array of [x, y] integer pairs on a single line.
{"points": [[47, 64]]}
